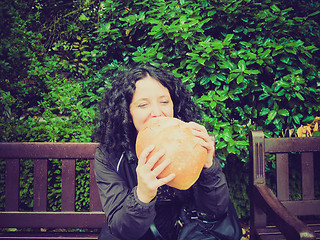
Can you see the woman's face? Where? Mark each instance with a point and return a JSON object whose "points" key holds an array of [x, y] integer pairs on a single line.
{"points": [[150, 99]]}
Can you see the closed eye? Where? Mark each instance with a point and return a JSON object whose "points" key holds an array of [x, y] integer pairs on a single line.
{"points": [[142, 105]]}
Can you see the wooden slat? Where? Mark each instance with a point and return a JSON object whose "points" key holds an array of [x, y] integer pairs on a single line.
{"points": [[39, 217], [316, 228], [12, 185], [282, 168], [257, 155], [282, 213], [52, 219], [307, 176], [49, 235], [273, 233], [68, 184], [38, 150], [40, 184], [305, 207], [95, 203], [260, 162], [270, 233], [289, 225], [257, 176], [296, 144]]}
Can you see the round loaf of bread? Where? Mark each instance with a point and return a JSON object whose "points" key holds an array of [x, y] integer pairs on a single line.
{"points": [[181, 146]]}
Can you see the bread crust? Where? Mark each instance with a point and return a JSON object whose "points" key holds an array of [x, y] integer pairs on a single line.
{"points": [[180, 145]]}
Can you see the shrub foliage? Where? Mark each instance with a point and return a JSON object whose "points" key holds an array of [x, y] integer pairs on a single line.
{"points": [[250, 64]]}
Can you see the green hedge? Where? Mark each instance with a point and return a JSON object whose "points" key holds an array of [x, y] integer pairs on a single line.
{"points": [[250, 65]]}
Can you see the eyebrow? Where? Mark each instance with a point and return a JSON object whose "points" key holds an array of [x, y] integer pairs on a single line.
{"points": [[147, 99], [162, 96]]}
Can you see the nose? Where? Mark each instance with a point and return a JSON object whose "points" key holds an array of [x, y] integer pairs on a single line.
{"points": [[156, 111]]}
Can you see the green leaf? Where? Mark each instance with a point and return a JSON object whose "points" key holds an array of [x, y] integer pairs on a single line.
{"points": [[260, 61], [300, 96], [204, 81], [228, 38], [313, 14], [284, 84], [159, 55], [240, 79], [220, 98], [291, 50], [226, 135], [201, 61], [83, 17], [217, 44], [236, 71], [242, 65], [263, 96], [242, 143], [285, 60], [250, 72], [271, 115], [231, 148], [316, 134], [195, 55], [296, 119], [212, 105], [266, 53], [226, 65], [308, 119], [221, 145], [275, 8], [283, 112], [264, 111]]}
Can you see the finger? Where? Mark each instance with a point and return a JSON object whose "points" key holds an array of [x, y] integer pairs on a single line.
{"points": [[145, 153], [161, 167], [208, 145], [167, 179], [204, 140], [198, 130], [155, 158], [213, 139], [196, 126], [204, 135]]}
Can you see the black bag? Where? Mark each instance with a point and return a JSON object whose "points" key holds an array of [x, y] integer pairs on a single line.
{"points": [[225, 228]]}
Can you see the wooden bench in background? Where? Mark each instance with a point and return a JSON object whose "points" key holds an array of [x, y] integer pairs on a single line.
{"points": [[282, 212], [40, 217]]}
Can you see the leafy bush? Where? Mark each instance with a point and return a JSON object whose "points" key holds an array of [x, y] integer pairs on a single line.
{"points": [[243, 60], [250, 64]]}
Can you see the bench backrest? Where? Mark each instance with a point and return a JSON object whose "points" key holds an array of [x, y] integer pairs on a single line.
{"points": [[282, 147], [40, 217]]}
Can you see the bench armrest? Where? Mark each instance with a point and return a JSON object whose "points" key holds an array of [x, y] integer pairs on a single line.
{"points": [[288, 224]]}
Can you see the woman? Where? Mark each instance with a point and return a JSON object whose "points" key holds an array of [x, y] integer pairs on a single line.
{"points": [[137, 203]]}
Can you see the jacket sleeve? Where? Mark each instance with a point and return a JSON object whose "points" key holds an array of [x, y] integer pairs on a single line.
{"points": [[127, 216], [211, 191]]}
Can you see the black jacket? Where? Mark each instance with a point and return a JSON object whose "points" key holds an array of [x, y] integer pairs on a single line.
{"points": [[129, 218]]}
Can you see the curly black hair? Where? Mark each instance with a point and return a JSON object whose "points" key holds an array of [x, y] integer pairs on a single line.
{"points": [[116, 130]]}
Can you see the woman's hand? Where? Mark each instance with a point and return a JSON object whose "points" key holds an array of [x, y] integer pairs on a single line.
{"points": [[205, 140], [148, 181]]}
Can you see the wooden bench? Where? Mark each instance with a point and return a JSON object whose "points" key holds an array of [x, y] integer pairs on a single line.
{"points": [[280, 211], [40, 218]]}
